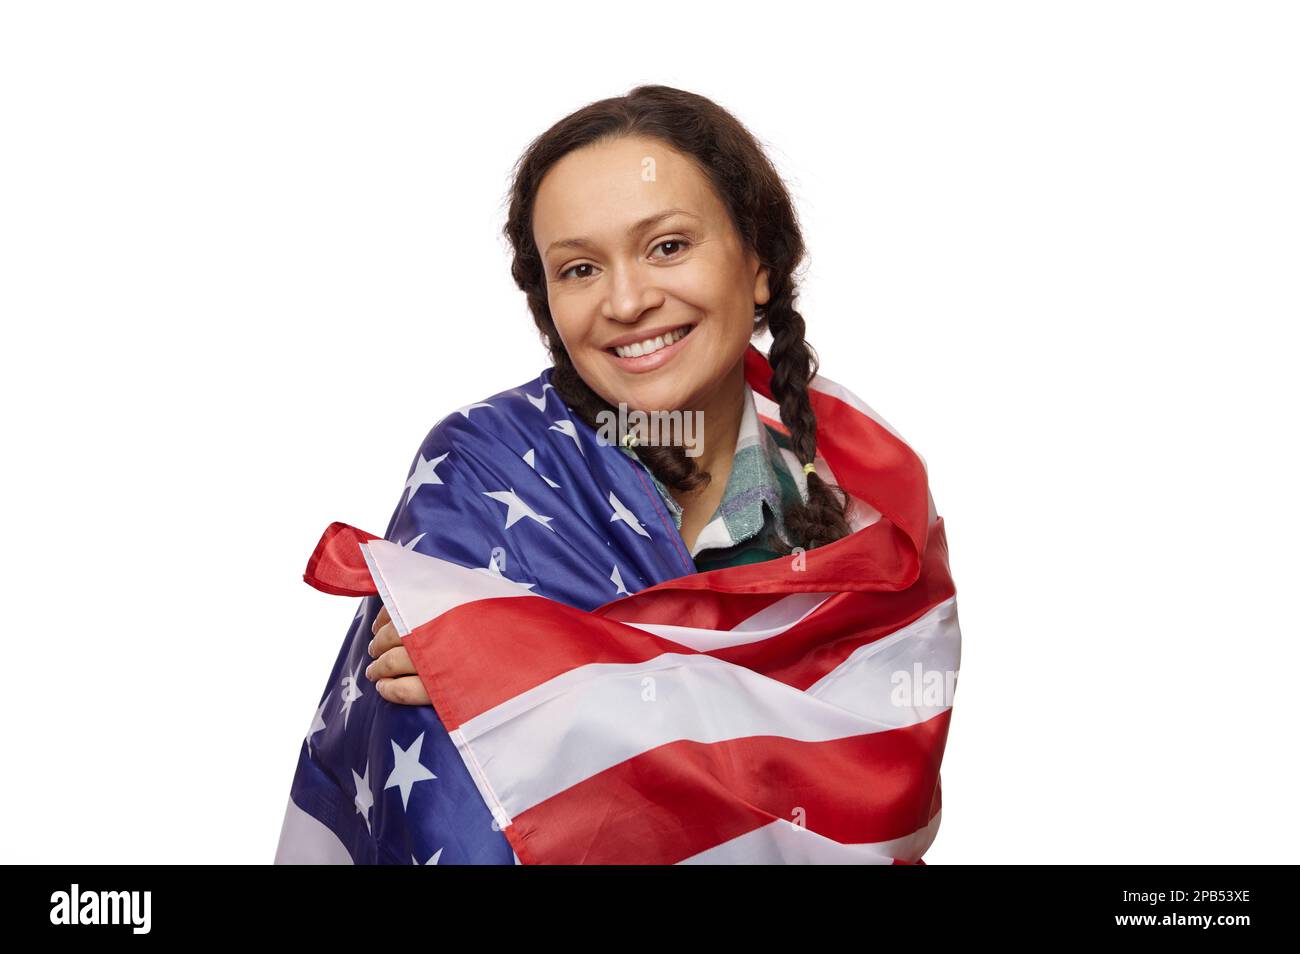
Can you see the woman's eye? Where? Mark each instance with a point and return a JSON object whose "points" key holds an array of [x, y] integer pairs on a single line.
{"points": [[680, 243], [572, 267], [676, 247]]}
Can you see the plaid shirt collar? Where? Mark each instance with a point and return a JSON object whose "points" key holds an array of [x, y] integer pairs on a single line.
{"points": [[760, 484]]}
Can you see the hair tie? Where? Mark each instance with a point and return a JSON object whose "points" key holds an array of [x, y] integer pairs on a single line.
{"points": [[809, 469]]}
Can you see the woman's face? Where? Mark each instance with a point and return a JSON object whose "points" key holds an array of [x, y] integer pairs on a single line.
{"points": [[636, 245]]}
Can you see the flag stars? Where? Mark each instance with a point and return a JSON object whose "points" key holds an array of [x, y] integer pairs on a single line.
{"points": [[530, 460], [410, 545], [351, 692], [540, 402], [364, 799], [621, 513], [492, 569], [423, 474], [469, 407], [317, 721], [567, 428], [516, 509], [407, 769], [617, 579]]}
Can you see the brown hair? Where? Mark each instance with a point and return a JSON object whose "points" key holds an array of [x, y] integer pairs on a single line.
{"points": [[763, 214]]}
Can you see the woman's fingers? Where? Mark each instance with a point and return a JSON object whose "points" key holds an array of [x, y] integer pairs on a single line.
{"points": [[405, 690], [392, 671], [394, 662], [385, 639]]}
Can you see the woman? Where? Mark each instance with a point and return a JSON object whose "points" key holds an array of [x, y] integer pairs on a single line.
{"points": [[654, 214], [653, 240]]}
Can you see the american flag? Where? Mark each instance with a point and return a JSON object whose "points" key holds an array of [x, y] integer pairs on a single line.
{"points": [[595, 700]]}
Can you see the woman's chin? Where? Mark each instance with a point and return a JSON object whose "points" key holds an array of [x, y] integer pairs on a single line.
{"points": [[667, 393]]}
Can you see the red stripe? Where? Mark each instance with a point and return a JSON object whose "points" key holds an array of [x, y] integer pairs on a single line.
{"points": [[677, 800], [877, 557], [846, 621], [337, 565], [482, 653], [869, 461]]}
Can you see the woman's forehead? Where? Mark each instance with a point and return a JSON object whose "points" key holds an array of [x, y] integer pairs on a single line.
{"points": [[602, 190]]}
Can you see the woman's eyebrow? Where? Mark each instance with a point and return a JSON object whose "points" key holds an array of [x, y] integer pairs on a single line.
{"points": [[633, 229]]}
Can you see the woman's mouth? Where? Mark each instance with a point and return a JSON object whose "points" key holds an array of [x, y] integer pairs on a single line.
{"points": [[652, 352]]}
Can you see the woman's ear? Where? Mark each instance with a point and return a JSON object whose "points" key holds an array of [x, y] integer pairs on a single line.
{"points": [[762, 295]]}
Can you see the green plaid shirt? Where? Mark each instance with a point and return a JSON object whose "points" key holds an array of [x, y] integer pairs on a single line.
{"points": [[762, 483]]}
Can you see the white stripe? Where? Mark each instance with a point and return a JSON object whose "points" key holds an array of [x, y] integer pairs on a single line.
{"points": [[766, 623], [549, 738], [933, 641], [305, 841], [781, 843], [469, 755], [417, 587], [861, 514], [785, 612]]}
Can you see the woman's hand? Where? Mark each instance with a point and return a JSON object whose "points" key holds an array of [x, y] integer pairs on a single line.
{"points": [[392, 671]]}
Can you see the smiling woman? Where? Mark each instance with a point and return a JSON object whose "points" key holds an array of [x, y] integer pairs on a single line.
{"points": [[539, 585], [654, 239]]}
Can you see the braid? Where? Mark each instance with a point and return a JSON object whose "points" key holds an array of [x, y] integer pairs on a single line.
{"points": [[823, 517]]}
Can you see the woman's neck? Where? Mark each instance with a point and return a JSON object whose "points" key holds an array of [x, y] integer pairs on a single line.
{"points": [[721, 428], [721, 420]]}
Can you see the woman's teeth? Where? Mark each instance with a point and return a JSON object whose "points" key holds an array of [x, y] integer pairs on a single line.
{"points": [[651, 345]]}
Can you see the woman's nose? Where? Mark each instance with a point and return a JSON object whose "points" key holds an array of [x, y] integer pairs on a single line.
{"points": [[631, 293]]}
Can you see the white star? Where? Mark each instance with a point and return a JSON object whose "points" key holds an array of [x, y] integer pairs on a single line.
{"points": [[407, 769], [317, 723], [627, 516], [364, 800], [423, 474], [567, 428], [528, 459], [493, 570], [517, 508], [617, 579], [469, 407], [433, 860], [413, 541], [351, 692], [540, 402]]}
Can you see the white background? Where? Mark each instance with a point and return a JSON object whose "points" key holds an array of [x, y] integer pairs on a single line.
{"points": [[251, 252]]}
